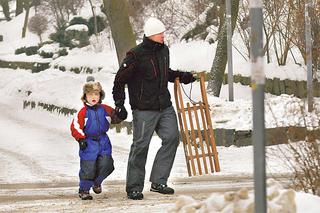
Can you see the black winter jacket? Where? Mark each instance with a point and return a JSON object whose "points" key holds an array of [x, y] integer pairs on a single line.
{"points": [[146, 71]]}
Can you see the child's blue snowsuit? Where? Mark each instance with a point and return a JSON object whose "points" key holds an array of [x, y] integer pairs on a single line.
{"points": [[92, 123]]}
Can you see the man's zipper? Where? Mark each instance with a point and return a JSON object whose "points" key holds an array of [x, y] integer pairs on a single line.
{"points": [[154, 68], [141, 91]]}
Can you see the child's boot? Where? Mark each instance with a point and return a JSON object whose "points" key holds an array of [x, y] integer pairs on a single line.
{"points": [[97, 189], [84, 195]]}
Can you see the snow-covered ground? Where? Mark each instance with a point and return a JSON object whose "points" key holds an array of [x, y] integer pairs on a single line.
{"points": [[36, 148], [39, 159]]}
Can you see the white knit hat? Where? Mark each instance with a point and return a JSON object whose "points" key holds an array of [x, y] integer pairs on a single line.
{"points": [[153, 26]]}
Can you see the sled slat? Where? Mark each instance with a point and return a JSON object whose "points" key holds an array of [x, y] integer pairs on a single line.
{"points": [[206, 137], [193, 137], [181, 126], [186, 133], [207, 113], [200, 139]]}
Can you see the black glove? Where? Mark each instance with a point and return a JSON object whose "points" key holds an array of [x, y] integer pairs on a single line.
{"points": [[121, 112], [119, 103], [187, 77], [83, 144]]}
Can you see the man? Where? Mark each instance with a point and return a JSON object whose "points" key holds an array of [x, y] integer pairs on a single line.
{"points": [[146, 71]]}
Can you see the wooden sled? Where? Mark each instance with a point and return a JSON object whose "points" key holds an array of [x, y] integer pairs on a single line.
{"points": [[197, 133]]}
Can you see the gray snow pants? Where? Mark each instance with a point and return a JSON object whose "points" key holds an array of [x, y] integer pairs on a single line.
{"points": [[144, 124]]}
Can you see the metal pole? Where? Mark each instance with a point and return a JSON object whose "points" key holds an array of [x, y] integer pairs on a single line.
{"points": [[308, 56], [257, 84], [229, 49]]}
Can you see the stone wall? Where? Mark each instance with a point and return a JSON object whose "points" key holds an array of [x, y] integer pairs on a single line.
{"points": [[278, 135], [276, 86]]}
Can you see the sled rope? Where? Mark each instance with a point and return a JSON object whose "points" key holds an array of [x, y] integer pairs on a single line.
{"points": [[189, 96]]}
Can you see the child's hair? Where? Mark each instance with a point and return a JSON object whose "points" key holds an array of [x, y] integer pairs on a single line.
{"points": [[92, 86]]}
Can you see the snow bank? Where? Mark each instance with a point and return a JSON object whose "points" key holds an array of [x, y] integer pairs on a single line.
{"points": [[279, 200]]}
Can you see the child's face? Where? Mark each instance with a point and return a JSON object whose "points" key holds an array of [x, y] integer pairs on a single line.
{"points": [[93, 98]]}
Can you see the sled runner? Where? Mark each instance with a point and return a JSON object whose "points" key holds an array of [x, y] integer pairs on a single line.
{"points": [[197, 133]]}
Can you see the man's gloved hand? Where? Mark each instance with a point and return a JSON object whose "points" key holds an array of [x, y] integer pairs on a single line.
{"points": [[121, 112], [187, 77], [83, 144]]}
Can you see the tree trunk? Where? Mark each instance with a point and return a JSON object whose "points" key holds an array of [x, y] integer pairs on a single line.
{"points": [[94, 17], [6, 9], [220, 58], [19, 7], [26, 18], [122, 33], [36, 3]]}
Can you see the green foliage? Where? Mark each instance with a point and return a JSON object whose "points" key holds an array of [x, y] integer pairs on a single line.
{"points": [[66, 38], [46, 42], [101, 24], [38, 67], [62, 68], [75, 70], [49, 107], [20, 50], [32, 50], [78, 20], [61, 37], [80, 36], [63, 52], [83, 38], [44, 54]]}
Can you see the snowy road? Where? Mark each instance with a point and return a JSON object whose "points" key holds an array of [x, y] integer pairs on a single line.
{"points": [[62, 197], [56, 197]]}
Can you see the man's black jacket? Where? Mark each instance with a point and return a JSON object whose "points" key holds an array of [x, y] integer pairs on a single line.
{"points": [[146, 71]]}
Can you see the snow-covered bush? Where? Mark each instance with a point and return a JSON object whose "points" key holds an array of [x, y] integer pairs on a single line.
{"points": [[20, 50], [63, 52], [78, 34], [48, 50], [32, 50], [61, 37], [101, 24], [78, 20]]}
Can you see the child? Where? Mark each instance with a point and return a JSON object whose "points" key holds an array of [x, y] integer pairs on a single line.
{"points": [[89, 128]]}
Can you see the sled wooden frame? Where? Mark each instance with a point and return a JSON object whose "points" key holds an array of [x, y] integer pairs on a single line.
{"points": [[197, 155]]}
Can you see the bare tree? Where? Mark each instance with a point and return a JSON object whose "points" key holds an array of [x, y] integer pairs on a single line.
{"points": [[6, 10], [19, 7], [38, 24], [220, 59], [61, 10], [298, 21], [122, 33], [93, 7], [26, 5], [301, 158]]}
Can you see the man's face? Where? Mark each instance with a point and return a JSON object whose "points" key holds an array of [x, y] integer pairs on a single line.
{"points": [[158, 37]]}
